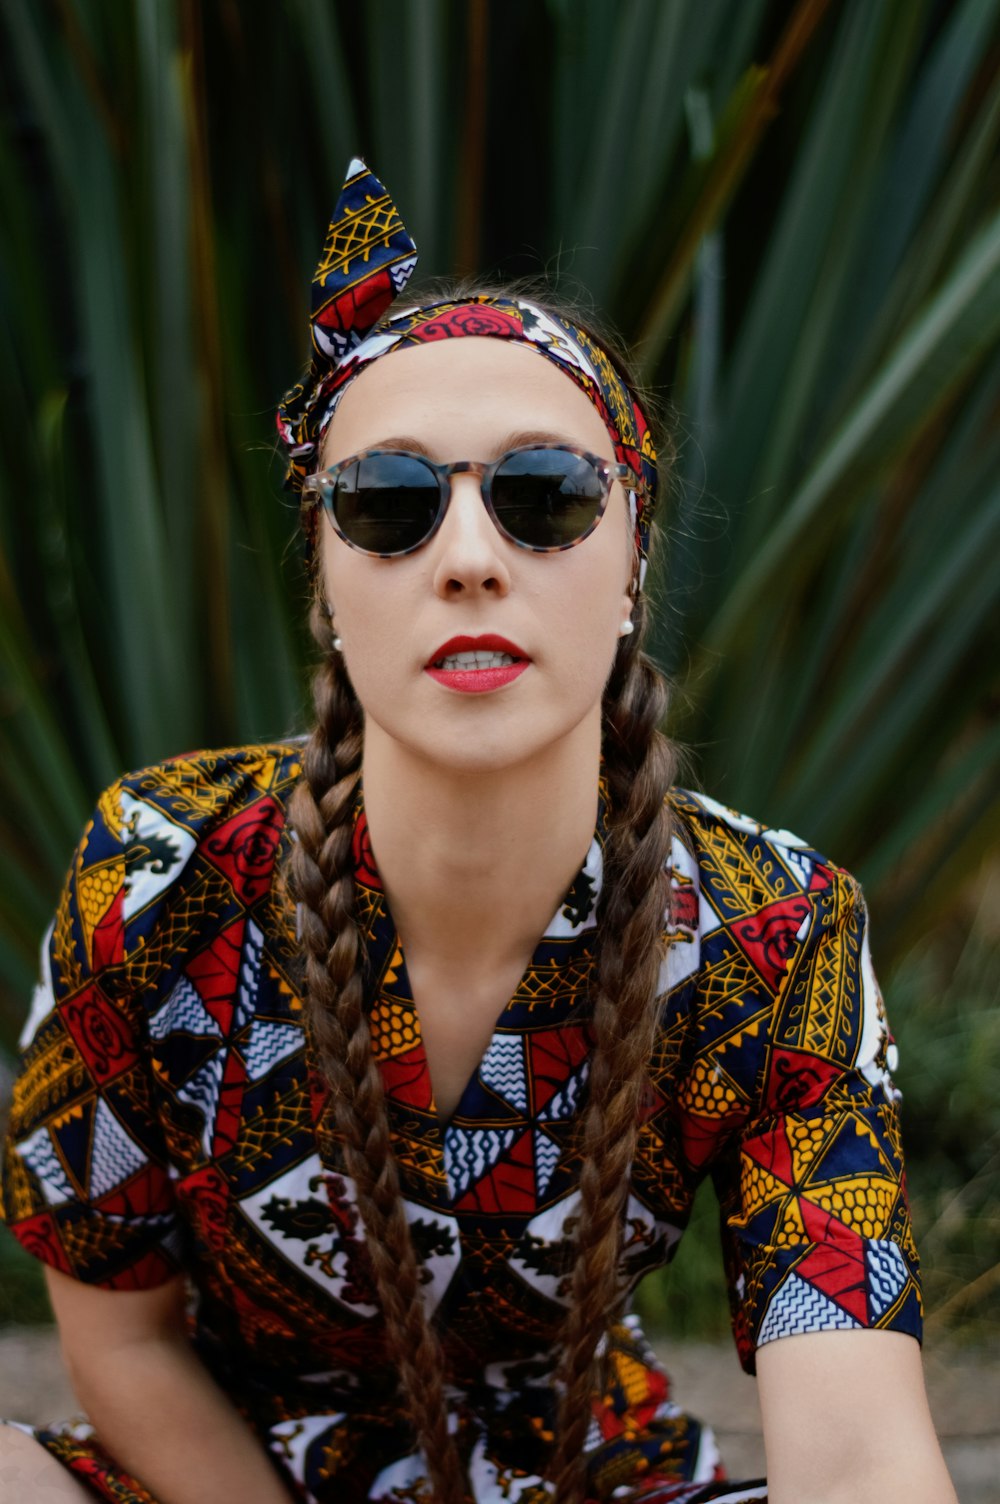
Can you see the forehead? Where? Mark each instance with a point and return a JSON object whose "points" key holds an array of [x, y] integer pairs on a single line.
{"points": [[461, 398]]}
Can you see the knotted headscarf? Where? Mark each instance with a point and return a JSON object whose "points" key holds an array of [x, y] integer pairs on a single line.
{"points": [[368, 258]]}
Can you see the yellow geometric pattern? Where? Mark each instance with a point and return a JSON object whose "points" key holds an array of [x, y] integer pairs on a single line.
{"points": [[391, 973], [183, 787], [180, 925], [97, 888], [286, 1114], [863, 1202], [807, 1137], [741, 873], [828, 997], [265, 774], [56, 1071], [72, 967], [723, 984], [543, 983], [708, 1091], [618, 402], [631, 1375], [420, 1158], [353, 238], [655, 1172], [393, 1029], [759, 1187], [19, 1194], [790, 1230]]}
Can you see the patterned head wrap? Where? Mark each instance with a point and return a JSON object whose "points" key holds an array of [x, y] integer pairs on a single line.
{"points": [[367, 260]]}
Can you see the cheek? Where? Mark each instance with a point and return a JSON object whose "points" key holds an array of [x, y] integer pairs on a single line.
{"points": [[586, 611], [361, 610]]}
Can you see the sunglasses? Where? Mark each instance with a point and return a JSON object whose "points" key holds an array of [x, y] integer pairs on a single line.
{"points": [[389, 502]]}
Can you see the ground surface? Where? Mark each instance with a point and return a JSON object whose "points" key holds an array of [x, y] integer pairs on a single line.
{"points": [[964, 1388]]}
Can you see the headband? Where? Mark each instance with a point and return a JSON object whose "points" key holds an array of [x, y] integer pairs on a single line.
{"points": [[368, 258]]}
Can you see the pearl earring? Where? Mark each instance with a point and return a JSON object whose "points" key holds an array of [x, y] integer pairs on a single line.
{"points": [[626, 627], [337, 643]]}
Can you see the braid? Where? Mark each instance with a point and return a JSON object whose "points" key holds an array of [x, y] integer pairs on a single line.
{"points": [[640, 766], [321, 878]]}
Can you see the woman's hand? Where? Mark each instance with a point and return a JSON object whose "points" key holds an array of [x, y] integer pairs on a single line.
{"points": [[846, 1421], [152, 1403]]}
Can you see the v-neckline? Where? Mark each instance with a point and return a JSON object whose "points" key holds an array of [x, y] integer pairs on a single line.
{"points": [[397, 1037]]}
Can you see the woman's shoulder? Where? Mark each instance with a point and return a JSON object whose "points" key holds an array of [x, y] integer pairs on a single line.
{"points": [[771, 932], [219, 815], [705, 824], [184, 798], [172, 854], [203, 783], [739, 865], [162, 812]]}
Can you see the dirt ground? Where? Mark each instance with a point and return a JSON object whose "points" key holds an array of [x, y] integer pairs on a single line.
{"points": [[964, 1389]]}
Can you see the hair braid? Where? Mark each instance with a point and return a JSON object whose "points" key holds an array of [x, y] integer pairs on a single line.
{"points": [[321, 878], [640, 766]]}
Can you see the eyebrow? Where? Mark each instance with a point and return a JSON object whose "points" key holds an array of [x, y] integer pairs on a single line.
{"points": [[520, 439]]}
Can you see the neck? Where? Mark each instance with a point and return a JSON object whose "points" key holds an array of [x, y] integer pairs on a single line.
{"points": [[475, 863]]}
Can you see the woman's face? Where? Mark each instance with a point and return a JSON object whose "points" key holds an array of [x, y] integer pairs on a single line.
{"points": [[474, 398]]}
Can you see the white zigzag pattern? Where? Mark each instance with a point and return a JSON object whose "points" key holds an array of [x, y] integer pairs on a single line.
{"points": [[246, 994], [183, 1012], [799, 1307], [400, 273], [269, 1043], [470, 1152], [503, 1069], [887, 1273], [40, 1156], [563, 1104], [546, 1159], [202, 1092], [114, 1154]]}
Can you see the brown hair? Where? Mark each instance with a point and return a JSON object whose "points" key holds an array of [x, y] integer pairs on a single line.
{"points": [[640, 767]]}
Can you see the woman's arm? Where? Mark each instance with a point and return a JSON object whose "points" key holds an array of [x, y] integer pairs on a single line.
{"points": [[846, 1421], [154, 1406]]}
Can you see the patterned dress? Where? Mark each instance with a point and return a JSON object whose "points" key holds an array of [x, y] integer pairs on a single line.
{"points": [[168, 1117]]}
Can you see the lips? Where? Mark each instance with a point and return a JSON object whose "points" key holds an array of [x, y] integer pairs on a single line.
{"points": [[477, 665]]}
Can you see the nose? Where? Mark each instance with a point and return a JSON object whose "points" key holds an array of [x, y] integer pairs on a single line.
{"points": [[470, 552]]}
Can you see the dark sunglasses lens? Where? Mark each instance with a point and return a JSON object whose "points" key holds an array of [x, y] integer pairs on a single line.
{"points": [[546, 498], [386, 503]]}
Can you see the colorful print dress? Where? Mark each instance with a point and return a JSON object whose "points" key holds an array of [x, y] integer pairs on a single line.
{"points": [[168, 1118]]}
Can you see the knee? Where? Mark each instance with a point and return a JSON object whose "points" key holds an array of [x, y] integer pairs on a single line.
{"points": [[29, 1473]]}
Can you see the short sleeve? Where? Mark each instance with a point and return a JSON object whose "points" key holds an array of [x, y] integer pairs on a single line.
{"points": [[85, 1184], [816, 1224]]}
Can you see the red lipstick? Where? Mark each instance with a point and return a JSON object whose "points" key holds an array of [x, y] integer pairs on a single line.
{"points": [[472, 678]]}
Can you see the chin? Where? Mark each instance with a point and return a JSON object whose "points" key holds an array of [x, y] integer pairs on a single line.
{"points": [[490, 744], [481, 753]]}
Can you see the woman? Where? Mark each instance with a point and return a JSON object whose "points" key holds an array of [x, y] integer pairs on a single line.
{"points": [[406, 1157]]}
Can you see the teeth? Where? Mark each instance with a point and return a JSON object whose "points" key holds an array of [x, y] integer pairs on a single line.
{"points": [[475, 660]]}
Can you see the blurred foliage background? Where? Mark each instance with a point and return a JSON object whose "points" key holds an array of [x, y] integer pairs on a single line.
{"points": [[792, 213]]}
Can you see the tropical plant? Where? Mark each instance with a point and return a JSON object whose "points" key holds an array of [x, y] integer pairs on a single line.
{"points": [[790, 209]]}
